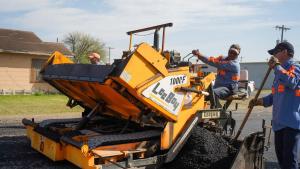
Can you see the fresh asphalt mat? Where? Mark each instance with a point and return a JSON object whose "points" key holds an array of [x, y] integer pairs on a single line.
{"points": [[16, 153]]}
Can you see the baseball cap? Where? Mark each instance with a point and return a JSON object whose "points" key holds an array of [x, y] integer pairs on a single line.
{"points": [[94, 55], [236, 48], [281, 46]]}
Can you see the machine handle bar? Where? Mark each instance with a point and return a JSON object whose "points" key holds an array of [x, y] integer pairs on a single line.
{"points": [[194, 91], [150, 28]]}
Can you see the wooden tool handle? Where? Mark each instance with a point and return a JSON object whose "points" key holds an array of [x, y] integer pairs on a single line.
{"points": [[251, 106]]}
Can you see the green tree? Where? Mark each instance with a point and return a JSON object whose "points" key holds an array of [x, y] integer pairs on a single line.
{"points": [[82, 45]]}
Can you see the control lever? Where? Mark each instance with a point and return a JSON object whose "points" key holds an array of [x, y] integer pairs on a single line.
{"points": [[82, 123], [194, 91]]}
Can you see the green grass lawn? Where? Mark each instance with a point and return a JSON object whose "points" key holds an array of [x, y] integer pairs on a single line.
{"points": [[35, 105], [56, 104]]}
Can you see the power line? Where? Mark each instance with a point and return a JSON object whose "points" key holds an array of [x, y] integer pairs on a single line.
{"points": [[109, 48], [282, 28]]}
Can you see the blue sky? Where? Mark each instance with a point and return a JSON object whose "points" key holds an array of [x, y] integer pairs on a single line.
{"points": [[210, 26]]}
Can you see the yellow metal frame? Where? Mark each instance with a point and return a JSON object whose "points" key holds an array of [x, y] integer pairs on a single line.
{"points": [[83, 157], [145, 67], [44, 145]]}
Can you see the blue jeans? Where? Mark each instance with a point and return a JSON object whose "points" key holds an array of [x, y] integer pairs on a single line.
{"points": [[287, 144], [222, 92]]}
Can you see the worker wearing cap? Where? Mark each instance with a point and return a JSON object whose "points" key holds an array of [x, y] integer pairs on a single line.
{"points": [[228, 75], [95, 59], [285, 98]]}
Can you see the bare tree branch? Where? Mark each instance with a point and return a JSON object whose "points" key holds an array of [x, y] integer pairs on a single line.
{"points": [[82, 45]]}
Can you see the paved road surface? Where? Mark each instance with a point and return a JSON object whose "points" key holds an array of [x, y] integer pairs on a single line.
{"points": [[15, 150]]}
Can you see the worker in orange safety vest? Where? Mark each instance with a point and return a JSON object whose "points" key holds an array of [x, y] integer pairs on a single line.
{"points": [[228, 75], [285, 98]]}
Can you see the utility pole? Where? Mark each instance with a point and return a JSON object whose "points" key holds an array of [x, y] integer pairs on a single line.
{"points": [[282, 28], [109, 48]]}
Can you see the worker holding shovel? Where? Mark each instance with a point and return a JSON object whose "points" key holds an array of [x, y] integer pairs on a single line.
{"points": [[285, 98]]}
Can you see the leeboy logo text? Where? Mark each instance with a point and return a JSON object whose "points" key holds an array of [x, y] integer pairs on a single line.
{"points": [[167, 97]]}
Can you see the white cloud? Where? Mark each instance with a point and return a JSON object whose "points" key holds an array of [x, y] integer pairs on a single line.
{"points": [[50, 16], [112, 18], [23, 5]]}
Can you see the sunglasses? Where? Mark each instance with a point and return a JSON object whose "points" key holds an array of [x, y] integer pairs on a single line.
{"points": [[232, 52]]}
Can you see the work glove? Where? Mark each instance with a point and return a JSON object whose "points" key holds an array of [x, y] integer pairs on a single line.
{"points": [[273, 62], [197, 53], [253, 102]]}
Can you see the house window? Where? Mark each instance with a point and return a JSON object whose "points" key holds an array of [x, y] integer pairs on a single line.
{"points": [[36, 66]]}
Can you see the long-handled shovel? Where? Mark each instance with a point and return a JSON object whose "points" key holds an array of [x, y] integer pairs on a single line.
{"points": [[251, 106]]}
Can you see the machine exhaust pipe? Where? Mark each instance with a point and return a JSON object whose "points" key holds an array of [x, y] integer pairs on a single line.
{"points": [[156, 39]]}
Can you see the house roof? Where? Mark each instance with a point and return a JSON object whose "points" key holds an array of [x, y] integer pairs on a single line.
{"points": [[16, 41]]}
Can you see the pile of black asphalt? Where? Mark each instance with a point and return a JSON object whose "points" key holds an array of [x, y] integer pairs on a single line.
{"points": [[204, 150]]}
